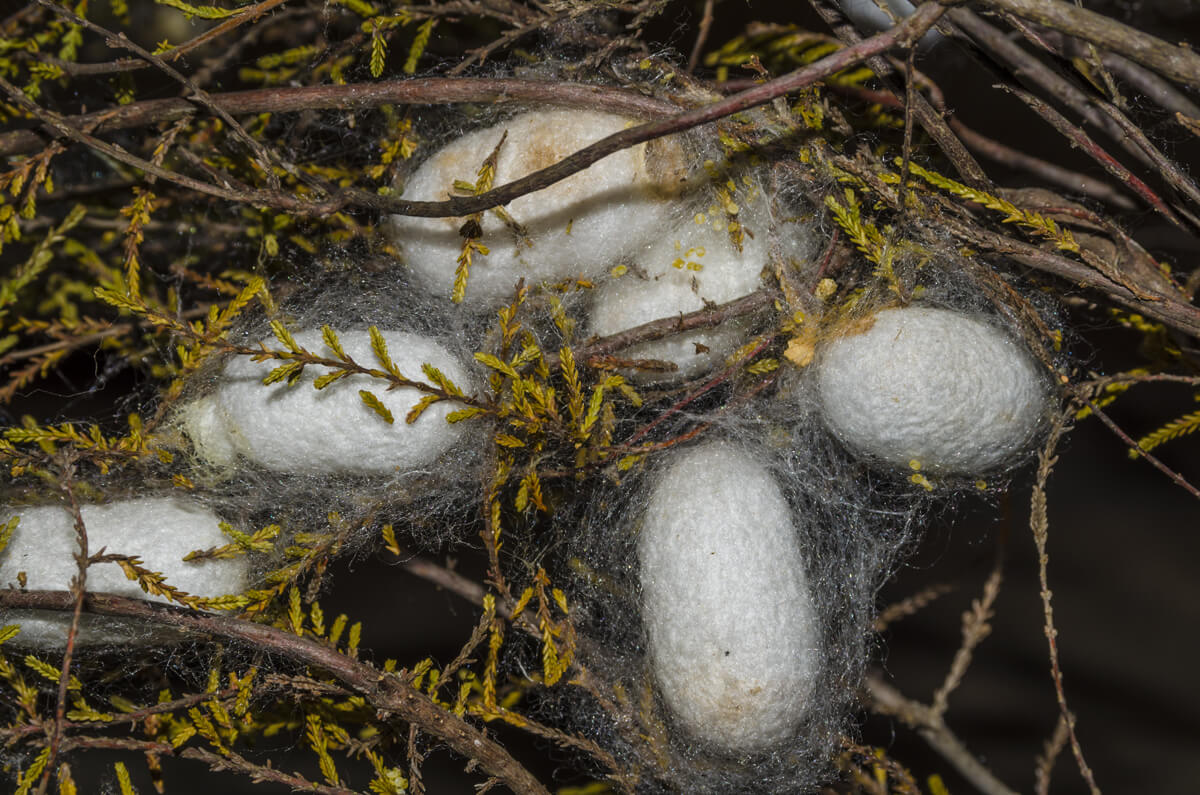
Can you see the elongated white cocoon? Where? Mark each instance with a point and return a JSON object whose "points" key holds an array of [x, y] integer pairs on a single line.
{"points": [[730, 621], [159, 530], [934, 386], [575, 228], [302, 429], [694, 265]]}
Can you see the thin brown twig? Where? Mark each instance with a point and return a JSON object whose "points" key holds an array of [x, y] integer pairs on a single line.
{"points": [[975, 628], [706, 21], [1032, 72], [1084, 141], [913, 27], [56, 123], [1083, 399], [992, 149], [909, 606], [1168, 168], [1049, 755], [1073, 181], [229, 760], [78, 588], [1169, 310], [708, 317], [114, 330], [1039, 523]]}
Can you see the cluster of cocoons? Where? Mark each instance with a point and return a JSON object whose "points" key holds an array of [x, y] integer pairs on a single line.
{"points": [[930, 387], [640, 222], [731, 625], [571, 229], [297, 428], [160, 531]]}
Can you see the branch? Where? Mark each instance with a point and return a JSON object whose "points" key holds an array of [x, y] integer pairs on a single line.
{"points": [[889, 701], [387, 693], [1177, 63], [357, 96]]}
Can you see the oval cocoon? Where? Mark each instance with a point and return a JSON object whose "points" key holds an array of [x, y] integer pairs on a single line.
{"points": [[732, 631], [695, 265], [299, 428], [939, 387], [159, 530], [574, 228]]}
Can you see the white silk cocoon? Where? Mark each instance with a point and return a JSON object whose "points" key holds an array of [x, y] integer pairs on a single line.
{"points": [[730, 622], [575, 228], [302, 429], [941, 388], [695, 265], [159, 530]]}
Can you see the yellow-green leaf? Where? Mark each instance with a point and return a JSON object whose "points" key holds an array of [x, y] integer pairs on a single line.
{"points": [[376, 405]]}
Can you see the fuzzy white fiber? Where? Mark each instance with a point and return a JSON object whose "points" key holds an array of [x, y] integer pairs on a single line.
{"points": [[942, 388], [575, 228], [301, 429], [730, 621], [159, 530], [694, 265]]}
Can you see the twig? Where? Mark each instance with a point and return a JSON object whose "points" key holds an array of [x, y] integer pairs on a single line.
{"points": [[909, 606], [1030, 71], [708, 317], [58, 125], [701, 36], [1082, 398], [386, 693], [889, 701], [358, 96], [78, 588], [1050, 753], [1039, 523], [1073, 181], [1169, 170], [1177, 63], [975, 628], [914, 26], [237, 763]]}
